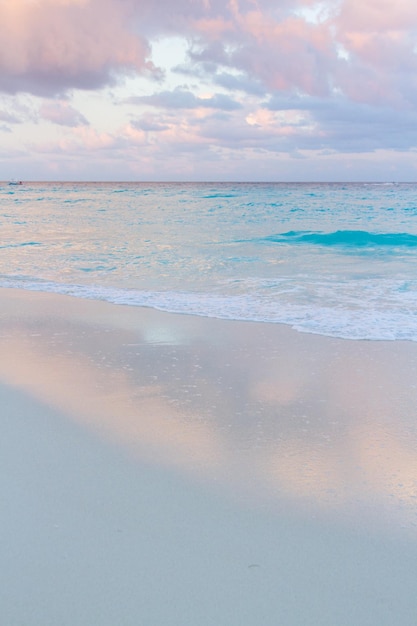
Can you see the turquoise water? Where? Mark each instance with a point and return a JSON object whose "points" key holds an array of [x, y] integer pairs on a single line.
{"points": [[333, 259]]}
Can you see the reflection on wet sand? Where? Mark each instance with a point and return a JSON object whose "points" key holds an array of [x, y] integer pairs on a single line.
{"points": [[139, 416], [258, 407]]}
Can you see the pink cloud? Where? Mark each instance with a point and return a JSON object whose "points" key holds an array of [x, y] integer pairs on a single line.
{"points": [[381, 34], [62, 113], [364, 49], [213, 28], [377, 16], [380, 65], [50, 46], [285, 55]]}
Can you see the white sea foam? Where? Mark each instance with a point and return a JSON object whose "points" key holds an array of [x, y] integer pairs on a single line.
{"points": [[365, 322]]}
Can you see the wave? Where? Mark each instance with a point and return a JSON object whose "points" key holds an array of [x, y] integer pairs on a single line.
{"points": [[220, 195], [345, 238], [21, 245], [398, 322]]}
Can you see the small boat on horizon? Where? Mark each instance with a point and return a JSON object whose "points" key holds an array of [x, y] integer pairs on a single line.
{"points": [[15, 182]]}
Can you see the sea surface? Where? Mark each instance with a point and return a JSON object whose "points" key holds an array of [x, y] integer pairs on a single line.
{"points": [[332, 259]]}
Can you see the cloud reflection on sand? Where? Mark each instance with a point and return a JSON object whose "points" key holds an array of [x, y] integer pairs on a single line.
{"points": [[261, 409]]}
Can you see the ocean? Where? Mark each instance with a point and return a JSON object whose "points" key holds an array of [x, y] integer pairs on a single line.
{"points": [[333, 259]]}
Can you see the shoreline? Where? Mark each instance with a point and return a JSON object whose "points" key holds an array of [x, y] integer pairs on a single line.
{"points": [[167, 469], [156, 301]]}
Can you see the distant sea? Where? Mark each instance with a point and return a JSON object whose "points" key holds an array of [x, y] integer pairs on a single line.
{"points": [[333, 259]]}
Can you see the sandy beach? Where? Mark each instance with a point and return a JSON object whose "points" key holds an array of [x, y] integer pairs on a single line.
{"points": [[171, 470]]}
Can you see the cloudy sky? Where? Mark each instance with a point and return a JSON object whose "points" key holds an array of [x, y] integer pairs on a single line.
{"points": [[208, 90]]}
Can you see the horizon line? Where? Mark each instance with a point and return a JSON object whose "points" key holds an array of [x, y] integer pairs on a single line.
{"points": [[211, 182]]}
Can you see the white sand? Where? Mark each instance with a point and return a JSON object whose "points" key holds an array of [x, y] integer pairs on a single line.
{"points": [[170, 470]]}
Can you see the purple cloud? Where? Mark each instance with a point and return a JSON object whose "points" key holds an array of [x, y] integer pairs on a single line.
{"points": [[50, 47], [184, 99], [63, 114], [10, 118], [149, 124], [239, 83]]}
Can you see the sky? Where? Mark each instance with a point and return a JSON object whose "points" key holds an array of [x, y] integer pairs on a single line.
{"points": [[216, 90]]}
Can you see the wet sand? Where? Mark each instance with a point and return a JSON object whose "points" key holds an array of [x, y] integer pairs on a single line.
{"points": [[167, 470]]}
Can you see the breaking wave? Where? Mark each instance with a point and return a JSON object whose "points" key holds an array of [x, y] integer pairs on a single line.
{"points": [[345, 238]]}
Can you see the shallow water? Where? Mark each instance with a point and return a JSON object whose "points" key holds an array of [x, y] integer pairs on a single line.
{"points": [[332, 259]]}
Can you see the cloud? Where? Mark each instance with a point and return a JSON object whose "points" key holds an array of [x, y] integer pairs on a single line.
{"points": [[183, 99], [287, 53], [366, 49], [382, 16], [10, 118], [378, 41], [346, 126], [18, 109], [149, 124], [85, 140], [251, 77], [50, 46], [62, 113], [239, 82]]}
